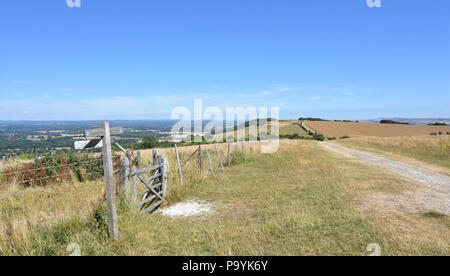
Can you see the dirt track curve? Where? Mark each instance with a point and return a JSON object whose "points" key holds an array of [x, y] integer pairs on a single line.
{"points": [[438, 183]]}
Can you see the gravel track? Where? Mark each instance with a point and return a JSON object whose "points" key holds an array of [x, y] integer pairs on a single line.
{"points": [[438, 198]]}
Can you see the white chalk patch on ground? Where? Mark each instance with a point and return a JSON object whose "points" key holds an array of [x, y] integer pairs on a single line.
{"points": [[187, 209]]}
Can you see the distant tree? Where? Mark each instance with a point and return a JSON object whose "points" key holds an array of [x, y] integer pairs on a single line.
{"points": [[392, 122], [310, 119], [150, 142]]}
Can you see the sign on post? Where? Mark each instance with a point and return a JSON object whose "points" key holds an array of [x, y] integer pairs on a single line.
{"points": [[101, 138], [109, 178], [88, 144], [100, 132]]}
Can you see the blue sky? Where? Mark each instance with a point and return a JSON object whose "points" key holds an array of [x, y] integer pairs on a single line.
{"points": [[138, 59]]}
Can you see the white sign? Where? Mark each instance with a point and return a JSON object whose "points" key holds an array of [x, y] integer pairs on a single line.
{"points": [[88, 144]]}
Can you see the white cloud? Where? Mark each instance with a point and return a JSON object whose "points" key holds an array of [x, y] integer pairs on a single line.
{"points": [[280, 90], [285, 89], [315, 98], [266, 93]]}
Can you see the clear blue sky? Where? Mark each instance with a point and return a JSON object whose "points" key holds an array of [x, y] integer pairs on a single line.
{"points": [[138, 59]]}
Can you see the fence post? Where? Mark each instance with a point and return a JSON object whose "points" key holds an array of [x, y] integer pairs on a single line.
{"points": [[163, 160], [209, 161], [124, 174], [133, 185], [179, 165], [229, 155], [220, 158], [155, 154], [109, 182], [200, 159], [138, 159]]}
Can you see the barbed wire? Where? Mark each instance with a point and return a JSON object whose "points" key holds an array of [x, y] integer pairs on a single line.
{"points": [[52, 167], [32, 190], [41, 178]]}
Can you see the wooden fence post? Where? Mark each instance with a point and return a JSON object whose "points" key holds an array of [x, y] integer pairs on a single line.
{"points": [[109, 182], [229, 155], [209, 161], [200, 159], [220, 158], [138, 159], [164, 178], [133, 185], [124, 174], [179, 166]]}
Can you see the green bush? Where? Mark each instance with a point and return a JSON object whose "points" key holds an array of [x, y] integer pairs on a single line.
{"points": [[345, 137], [319, 137], [25, 157], [433, 133], [150, 142]]}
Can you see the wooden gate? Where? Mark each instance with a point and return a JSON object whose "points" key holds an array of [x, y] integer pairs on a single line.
{"points": [[154, 179]]}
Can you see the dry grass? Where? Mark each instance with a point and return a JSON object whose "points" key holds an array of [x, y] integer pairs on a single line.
{"points": [[432, 152], [291, 127], [285, 127], [339, 129], [299, 201]]}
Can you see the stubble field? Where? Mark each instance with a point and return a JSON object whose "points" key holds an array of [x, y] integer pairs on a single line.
{"points": [[339, 129]]}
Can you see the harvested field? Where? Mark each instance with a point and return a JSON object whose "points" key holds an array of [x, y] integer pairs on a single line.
{"points": [[339, 129]]}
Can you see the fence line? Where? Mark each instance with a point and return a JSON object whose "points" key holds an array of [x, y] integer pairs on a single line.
{"points": [[51, 167], [42, 178], [127, 178], [31, 190]]}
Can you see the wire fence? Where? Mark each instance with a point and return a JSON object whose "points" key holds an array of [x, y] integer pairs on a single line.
{"points": [[50, 167], [47, 199], [44, 176], [68, 176]]}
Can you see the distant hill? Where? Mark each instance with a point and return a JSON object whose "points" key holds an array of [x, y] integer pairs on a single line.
{"points": [[415, 121]]}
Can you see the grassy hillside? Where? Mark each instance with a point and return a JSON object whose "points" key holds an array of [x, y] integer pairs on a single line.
{"points": [[291, 127], [285, 127], [299, 201]]}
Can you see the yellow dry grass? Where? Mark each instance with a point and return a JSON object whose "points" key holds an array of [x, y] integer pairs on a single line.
{"points": [[291, 127], [298, 201]]}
